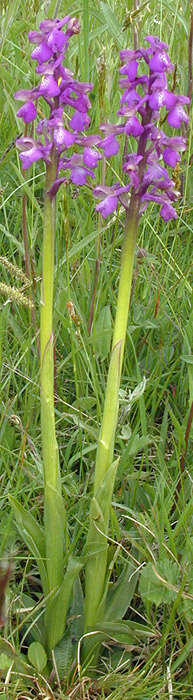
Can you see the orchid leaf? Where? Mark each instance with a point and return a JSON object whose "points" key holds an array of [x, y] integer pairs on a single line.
{"points": [[33, 537], [96, 551], [37, 656], [55, 525], [56, 610], [121, 594], [102, 332], [35, 618], [125, 632], [66, 651]]}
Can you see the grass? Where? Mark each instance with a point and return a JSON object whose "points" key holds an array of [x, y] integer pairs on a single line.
{"points": [[153, 508]]}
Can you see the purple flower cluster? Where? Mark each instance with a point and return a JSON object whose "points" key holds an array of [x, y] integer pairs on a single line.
{"points": [[60, 91], [145, 93]]}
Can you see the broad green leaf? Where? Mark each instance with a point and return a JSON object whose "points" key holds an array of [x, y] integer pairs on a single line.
{"points": [[100, 512], [102, 333], [151, 587], [125, 632], [4, 662], [105, 452], [97, 545], [33, 536], [37, 656], [6, 648], [55, 527], [56, 610], [121, 594], [35, 619], [66, 651], [16, 661]]}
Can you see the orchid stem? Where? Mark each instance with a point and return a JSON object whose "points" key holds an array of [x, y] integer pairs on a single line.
{"points": [[107, 434], [53, 503], [97, 558]]}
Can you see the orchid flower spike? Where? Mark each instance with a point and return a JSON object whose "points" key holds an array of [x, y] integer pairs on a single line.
{"points": [[145, 94], [60, 92]]}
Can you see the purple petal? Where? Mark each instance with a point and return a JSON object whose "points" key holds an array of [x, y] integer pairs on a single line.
{"points": [[73, 26], [80, 103], [168, 212], [176, 142], [47, 25], [128, 54], [80, 121], [108, 128], [155, 42], [110, 146], [176, 116], [160, 61], [49, 87], [35, 37], [25, 143], [62, 137], [130, 69], [101, 191], [27, 112], [79, 175], [155, 174], [56, 40], [41, 53], [107, 206], [134, 127], [91, 140], [130, 96], [26, 95], [171, 157], [31, 156], [162, 97], [91, 157]]}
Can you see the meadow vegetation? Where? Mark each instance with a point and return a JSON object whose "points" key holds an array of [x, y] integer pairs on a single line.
{"points": [[152, 514]]}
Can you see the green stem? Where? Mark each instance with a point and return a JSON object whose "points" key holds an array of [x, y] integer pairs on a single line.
{"points": [[104, 470], [53, 504], [107, 434]]}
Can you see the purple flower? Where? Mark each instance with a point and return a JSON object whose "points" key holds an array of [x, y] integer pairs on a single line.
{"points": [[177, 115], [76, 164], [27, 112], [91, 157], [107, 206], [110, 145], [134, 127], [80, 121], [160, 62], [62, 94], [42, 52], [171, 157], [145, 95], [168, 212], [32, 151]]}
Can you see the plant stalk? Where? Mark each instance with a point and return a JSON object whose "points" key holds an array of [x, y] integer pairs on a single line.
{"points": [[96, 568], [53, 502], [109, 422]]}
